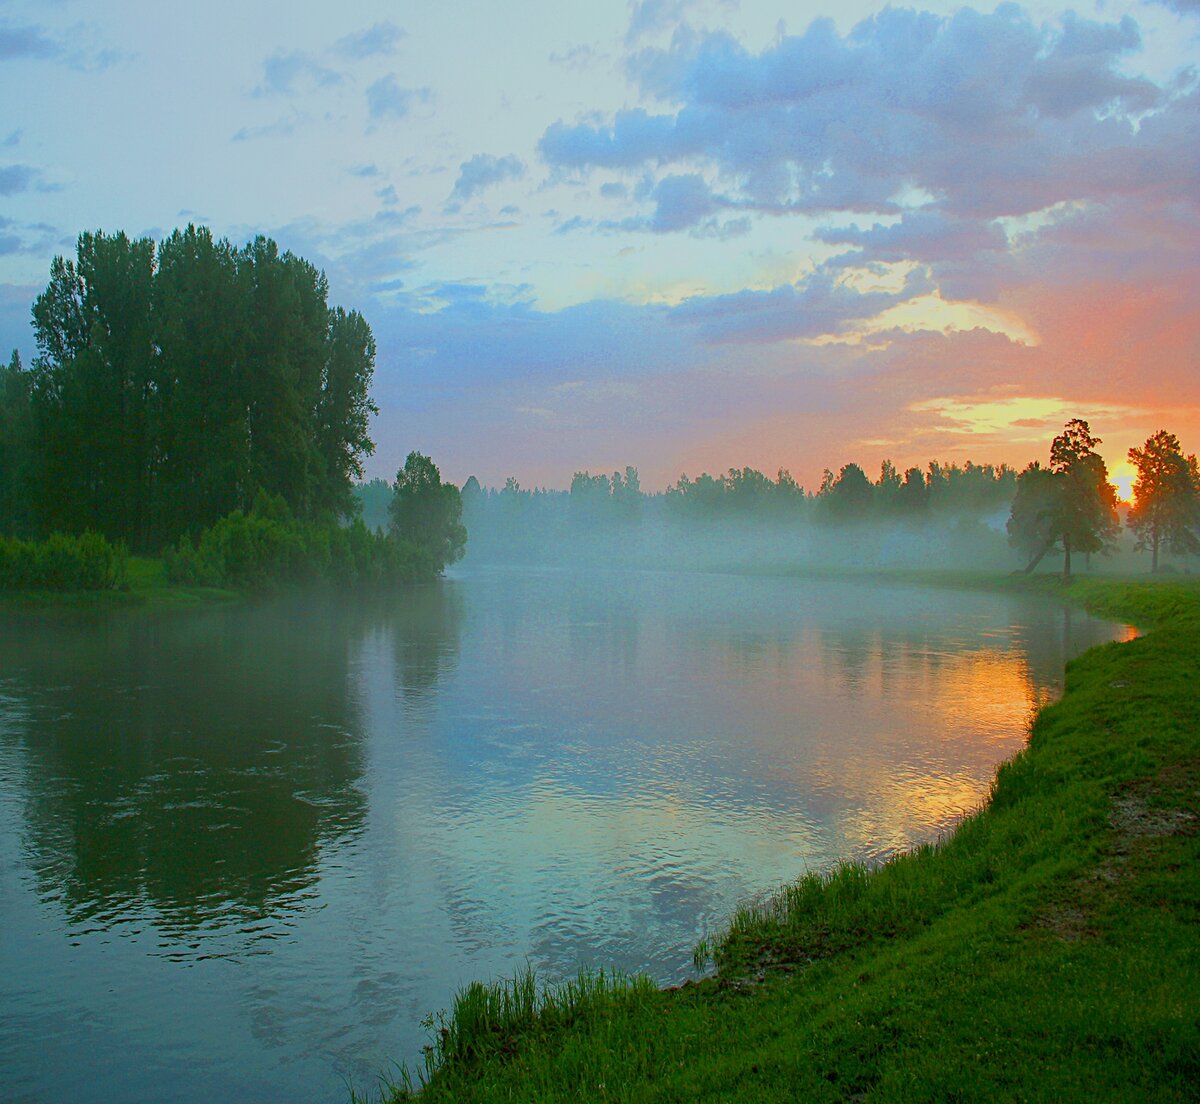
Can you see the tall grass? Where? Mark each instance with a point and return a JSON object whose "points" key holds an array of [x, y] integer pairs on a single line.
{"points": [[487, 1022]]}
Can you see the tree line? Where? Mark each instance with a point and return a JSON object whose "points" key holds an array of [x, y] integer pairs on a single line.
{"points": [[1066, 505]]}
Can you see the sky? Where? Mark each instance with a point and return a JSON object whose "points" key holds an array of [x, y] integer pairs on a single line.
{"points": [[684, 236]]}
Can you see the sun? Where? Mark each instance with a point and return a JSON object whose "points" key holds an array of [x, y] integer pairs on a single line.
{"points": [[1122, 477]]}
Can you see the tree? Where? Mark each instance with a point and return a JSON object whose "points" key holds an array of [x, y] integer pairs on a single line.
{"points": [[428, 512], [344, 407], [1070, 504], [1166, 510], [173, 384], [1033, 523], [91, 387], [15, 442], [848, 497]]}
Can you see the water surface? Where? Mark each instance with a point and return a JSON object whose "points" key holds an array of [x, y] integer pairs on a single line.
{"points": [[244, 851]]}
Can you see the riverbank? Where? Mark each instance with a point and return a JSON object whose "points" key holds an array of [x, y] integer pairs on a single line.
{"points": [[1048, 949], [146, 587]]}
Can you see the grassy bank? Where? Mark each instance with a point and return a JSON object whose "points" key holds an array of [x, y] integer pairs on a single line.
{"points": [[146, 586], [1048, 950]]}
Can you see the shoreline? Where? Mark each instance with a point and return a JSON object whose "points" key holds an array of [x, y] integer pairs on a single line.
{"points": [[951, 970]]}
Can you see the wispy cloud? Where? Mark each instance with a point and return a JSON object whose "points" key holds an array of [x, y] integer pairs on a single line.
{"points": [[387, 101], [27, 41], [378, 40], [283, 127], [15, 179], [287, 74], [482, 171]]}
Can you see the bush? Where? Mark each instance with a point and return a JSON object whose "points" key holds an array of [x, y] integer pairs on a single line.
{"points": [[61, 562], [268, 548]]}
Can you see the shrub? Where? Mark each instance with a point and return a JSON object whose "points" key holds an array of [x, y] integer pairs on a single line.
{"points": [[61, 562], [269, 548]]}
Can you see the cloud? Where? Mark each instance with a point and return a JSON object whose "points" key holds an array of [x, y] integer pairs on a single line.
{"points": [[648, 16], [388, 102], [15, 179], [365, 171], [287, 74], [576, 222], [816, 306], [681, 202], [377, 40], [829, 122], [280, 128], [930, 235], [577, 57], [482, 171], [27, 41]]}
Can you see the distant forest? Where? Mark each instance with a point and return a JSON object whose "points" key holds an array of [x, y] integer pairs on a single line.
{"points": [[946, 514]]}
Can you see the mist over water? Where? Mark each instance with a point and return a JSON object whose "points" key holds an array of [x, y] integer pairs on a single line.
{"points": [[244, 851]]}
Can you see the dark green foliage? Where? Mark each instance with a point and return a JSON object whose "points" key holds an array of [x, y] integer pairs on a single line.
{"points": [[1071, 504], [16, 436], [60, 562], [427, 513], [174, 383], [269, 548]]}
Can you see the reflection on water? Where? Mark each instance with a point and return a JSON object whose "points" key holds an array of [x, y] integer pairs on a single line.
{"points": [[258, 845]]}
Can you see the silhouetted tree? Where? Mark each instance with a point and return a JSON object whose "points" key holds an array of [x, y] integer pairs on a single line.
{"points": [[1070, 504], [1166, 509], [848, 498]]}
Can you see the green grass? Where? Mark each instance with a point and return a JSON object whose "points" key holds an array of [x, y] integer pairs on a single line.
{"points": [[1049, 949], [146, 586]]}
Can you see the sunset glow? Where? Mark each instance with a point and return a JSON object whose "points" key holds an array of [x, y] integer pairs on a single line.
{"points": [[686, 235]]}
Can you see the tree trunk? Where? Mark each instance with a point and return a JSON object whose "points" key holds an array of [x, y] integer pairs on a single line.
{"points": [[1154, 554], [1066, 555], [1037, 557]]}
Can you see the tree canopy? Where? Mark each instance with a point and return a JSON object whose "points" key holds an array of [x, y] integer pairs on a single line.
{"points": [[1166, 511], [174, 382], [428, 512], [1070, 504]]}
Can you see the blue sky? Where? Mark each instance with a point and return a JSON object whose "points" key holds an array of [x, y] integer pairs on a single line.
{"points": [[670, 234]]}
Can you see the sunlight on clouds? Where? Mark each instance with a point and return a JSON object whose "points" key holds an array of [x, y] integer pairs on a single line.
{"points": [[1020, 229], [932, 312], [1017, 419]]}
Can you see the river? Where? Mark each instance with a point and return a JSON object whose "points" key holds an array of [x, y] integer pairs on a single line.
{"points": [[245, 850]]}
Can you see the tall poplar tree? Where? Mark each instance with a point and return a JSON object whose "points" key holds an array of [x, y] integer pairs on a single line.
{"points": [[174, 384]]}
